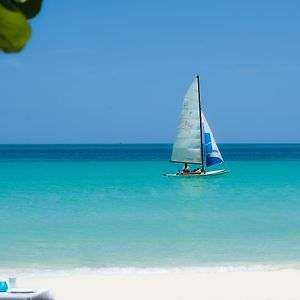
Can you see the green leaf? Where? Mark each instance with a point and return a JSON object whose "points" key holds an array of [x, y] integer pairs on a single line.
{"points": [[14, 30]]}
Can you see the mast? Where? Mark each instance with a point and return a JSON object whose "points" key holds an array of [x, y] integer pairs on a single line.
{"points": [[201, 129]]}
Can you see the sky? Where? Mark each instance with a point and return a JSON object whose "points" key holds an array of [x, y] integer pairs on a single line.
{"points": [[117, 71]]}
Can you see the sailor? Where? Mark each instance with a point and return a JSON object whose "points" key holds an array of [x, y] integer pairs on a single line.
{"points": [[186, 169], [198, 171]]}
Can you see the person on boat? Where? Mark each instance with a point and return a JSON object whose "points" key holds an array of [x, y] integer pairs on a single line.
{"points": [[186, 169], [198, 171]]}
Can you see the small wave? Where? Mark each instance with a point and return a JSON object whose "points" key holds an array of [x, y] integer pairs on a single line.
{"points": [[57, 272]]}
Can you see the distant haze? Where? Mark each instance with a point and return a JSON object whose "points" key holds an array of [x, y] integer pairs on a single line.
{"points": [[117, 71]]}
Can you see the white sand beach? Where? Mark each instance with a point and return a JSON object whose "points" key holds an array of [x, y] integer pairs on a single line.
{"points": [[170, 285]]}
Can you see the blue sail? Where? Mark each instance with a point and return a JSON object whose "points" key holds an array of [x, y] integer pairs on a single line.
{"points": [[211, 150]]}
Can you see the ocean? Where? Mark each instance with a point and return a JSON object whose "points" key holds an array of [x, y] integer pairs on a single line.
{"points": [[109, 206]]}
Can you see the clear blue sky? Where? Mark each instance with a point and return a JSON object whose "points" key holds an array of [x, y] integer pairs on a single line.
{"points": [[116, 71]]}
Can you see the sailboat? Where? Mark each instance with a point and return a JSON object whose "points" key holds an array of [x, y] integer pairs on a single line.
{"points": [[195, 143]]}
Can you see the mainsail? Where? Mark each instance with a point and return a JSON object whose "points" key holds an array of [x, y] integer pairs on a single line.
{"points": [[187, 147]]}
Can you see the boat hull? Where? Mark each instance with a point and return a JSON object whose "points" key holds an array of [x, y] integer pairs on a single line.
{"points": [[209, 173]]}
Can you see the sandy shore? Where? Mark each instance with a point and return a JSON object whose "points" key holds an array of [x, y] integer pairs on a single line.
{"points": [[175, 285]]}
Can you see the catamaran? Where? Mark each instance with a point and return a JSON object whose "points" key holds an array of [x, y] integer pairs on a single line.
{"points": [[195, 143]]}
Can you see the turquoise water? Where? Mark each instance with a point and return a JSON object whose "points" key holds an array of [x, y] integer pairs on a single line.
{"points": [[109, 206]]}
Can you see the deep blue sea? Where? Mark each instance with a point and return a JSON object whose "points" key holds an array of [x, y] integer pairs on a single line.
{"points": [[106, 206]]}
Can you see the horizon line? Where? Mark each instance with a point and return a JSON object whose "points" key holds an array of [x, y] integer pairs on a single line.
{"points": [[120, 143]]}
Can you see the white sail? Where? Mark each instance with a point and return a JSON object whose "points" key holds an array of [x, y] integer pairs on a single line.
{"points": [[187, 145], [211, 150]]}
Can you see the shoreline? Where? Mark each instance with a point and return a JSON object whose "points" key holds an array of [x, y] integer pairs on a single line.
{"points": [[209, 268], [172, 284]]}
